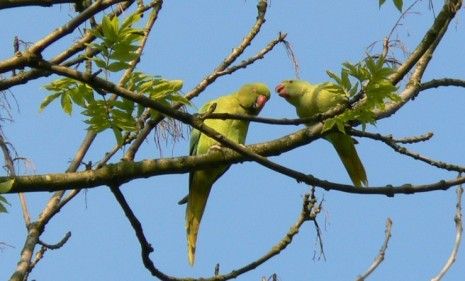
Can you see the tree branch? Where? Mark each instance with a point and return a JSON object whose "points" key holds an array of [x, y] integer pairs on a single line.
{"points": [[380, 257], [146, 248], [391, 142], [6, 4], [435, 32], [444, 82], [19, 60], [78, 46], [458, 236]]}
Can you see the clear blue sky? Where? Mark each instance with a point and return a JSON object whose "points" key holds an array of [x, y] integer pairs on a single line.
{"points": [[250, 207]]}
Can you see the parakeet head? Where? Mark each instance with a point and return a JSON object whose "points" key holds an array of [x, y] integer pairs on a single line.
{"points": [[253, 97], [292, 90]]}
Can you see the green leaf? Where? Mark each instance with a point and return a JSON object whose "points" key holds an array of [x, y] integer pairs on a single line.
{"points": [[6, 186], [381, 2], [101, 63], [109, 30], [328, 125], [117, 66], [345, 82], [129, 21], [2, 205], [48, 100], [66, 103], [398, 4], [118, 135], [334, 77]]}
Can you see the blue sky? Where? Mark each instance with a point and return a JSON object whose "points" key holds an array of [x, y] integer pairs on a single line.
{"points": [[250, 207]]}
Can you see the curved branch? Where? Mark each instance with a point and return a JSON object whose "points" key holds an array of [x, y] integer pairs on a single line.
{"points": [[58, 245], [310, 210], [444, 82], [402, 150], [458, 236], [380, 257]]}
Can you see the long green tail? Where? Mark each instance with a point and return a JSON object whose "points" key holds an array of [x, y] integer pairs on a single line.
{"points": [[345, 148], [197, 200], [200, 184]]}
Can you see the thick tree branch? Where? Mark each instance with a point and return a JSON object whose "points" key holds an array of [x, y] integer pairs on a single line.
{"points": [[6, 4]]}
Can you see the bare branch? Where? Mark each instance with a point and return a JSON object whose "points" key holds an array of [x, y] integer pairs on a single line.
{"points": [[391, 142], [309, 212], [10, 166], [146, 248], [236, 52], [58, 245], [5, 4], [444, 82], [260, 55], [380, 257], [435, 32], [458, 236]]}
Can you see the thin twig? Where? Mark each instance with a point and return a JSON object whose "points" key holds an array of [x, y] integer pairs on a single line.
{"points": [[380, 257], [10, 166], [58, 245], [458, 236], [146, 247], [391, 142], [443, 19]]}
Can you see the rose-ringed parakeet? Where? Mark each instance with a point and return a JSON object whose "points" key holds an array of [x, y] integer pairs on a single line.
{"points": [[249, 100], [311, 99]]}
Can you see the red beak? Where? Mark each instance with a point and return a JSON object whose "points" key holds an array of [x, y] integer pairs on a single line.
{"points": [[281, 90], [261, 100]]}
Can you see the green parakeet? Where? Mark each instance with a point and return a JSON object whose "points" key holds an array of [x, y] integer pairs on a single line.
{"points": [[249, 100], [311, 99]]}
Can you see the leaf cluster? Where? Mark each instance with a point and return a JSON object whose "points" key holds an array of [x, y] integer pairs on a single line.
{"points": [[367, 80], [117, 44]]}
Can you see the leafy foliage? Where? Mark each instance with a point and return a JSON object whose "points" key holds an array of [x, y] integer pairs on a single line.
{"points": [[117, 44], [397, 3], [369, 79], [117, 114], [69, 91], [117, 47]]}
